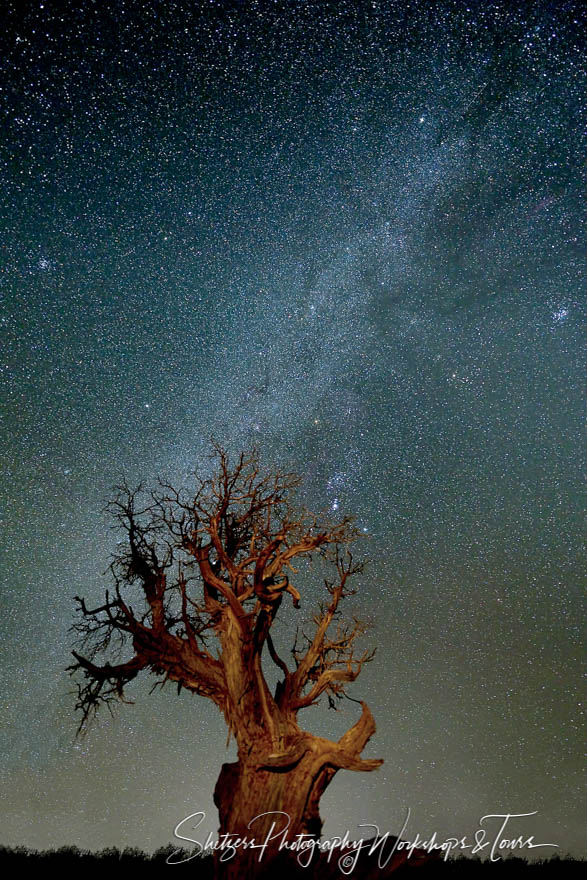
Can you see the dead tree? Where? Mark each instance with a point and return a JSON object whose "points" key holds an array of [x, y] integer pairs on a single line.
{"points": [[197, 587]]}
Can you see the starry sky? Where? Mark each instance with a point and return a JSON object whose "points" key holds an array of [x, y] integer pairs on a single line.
{"points": [[350, 234]]}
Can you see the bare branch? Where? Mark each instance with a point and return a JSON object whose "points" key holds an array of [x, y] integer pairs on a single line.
{"points": [[215, 563], [102, 684]]}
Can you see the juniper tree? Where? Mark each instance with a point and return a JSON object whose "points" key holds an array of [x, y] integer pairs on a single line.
{"points": [[198, 583]]}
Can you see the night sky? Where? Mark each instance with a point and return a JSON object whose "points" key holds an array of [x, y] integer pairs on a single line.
{"points": [[350, 234]]}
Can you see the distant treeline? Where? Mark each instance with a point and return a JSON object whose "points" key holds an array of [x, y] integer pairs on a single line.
{"points": [[113, 863], [107, 863]]}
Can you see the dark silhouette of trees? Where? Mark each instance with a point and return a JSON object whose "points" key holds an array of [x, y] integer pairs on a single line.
{"points": [[197, 587]]}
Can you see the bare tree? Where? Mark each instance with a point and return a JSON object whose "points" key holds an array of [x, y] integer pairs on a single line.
{"points": [[197, 587]]}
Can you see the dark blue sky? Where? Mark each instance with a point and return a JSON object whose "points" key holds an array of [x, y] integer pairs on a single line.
{"points": [[348, 233]]}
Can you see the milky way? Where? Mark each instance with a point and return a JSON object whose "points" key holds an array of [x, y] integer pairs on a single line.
{"points": [[349, 234]]}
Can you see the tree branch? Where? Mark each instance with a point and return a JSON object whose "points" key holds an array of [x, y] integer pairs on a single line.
{"points": [[216, 563]]}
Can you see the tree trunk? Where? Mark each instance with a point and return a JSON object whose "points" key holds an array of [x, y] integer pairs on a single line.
{"points": [[278, 809], [268, 801]]}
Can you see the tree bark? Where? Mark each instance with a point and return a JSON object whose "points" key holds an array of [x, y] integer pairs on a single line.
{"points": [[270, 797], [277, 809]]}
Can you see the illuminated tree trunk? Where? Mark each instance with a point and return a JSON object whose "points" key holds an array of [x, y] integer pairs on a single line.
{"points": [[276, 809], [272, 793]]}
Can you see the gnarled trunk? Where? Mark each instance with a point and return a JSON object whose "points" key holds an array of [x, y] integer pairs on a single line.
{"points": [[276, 811], [268, 800]]}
